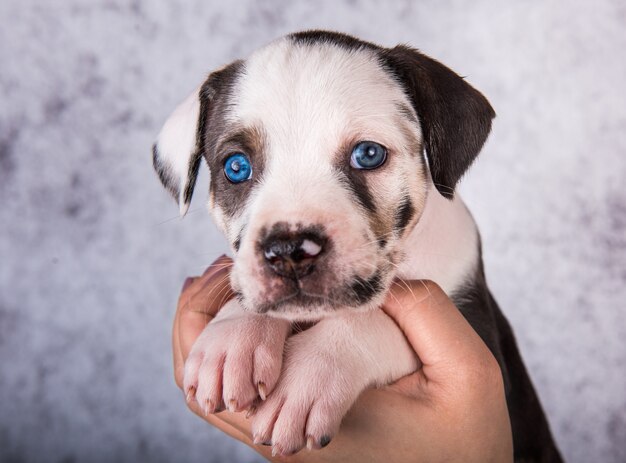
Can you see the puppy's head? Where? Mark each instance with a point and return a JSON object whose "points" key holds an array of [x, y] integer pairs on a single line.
{"points": [[315, 146]]}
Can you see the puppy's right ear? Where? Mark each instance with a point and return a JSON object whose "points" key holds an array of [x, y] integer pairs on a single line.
{"points": [[176, 154], [455, 117]]}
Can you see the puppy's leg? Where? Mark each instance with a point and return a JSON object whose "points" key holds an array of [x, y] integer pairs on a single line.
{"points": [[325, 370], [237, 357]]}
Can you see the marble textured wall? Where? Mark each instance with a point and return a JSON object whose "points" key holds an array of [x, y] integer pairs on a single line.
{"points": [[92, 255]]}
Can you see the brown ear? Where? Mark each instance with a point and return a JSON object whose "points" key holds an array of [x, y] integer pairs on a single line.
{"points": [[455, 117]]}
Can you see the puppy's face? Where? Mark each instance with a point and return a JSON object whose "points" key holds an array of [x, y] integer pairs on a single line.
{"points": [[315, 149]]}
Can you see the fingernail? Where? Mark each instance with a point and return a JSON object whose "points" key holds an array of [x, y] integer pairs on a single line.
{"points": [[324, 441], [262, 390], [187, 282]]}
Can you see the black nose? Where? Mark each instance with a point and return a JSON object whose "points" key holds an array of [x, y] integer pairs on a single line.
{"points": [[293, 255]]}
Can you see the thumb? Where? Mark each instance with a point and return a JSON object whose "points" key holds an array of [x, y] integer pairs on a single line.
{"points": [[433, 325]]}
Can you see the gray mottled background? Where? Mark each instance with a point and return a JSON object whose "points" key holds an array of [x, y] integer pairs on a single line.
{"points": [[92, 255]]}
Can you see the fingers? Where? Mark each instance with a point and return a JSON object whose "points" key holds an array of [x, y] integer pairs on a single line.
{"points": [[233, 424], [179, 362], [210, 291], [200, 299], [433, 325]]}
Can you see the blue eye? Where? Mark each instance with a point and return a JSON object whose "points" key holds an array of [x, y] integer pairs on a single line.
{"points": [[237, 168], [368, 155]]}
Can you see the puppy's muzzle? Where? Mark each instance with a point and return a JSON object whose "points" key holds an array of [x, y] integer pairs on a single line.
{"points": [[293, 255]]}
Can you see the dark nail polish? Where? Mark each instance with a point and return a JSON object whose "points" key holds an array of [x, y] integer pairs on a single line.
{"points": [[187, 282], [324, 441]]}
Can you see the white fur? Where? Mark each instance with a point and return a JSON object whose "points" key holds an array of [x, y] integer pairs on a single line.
{"points": [[235, 354], [177, 142], [310, 101], [443, 246], [326, 368]]}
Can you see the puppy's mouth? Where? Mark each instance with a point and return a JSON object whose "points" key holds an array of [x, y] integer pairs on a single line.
{"points": [[297, 298], [294, 296], [305, 271]]}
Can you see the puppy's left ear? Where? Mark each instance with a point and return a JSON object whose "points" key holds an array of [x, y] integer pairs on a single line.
{"points": [[176, 154], [455, 117]]}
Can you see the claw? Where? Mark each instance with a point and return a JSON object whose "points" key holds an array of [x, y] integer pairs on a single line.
{"points": [[191, 393], [251, 411], [310, 442], [209, 407], [262, 390]]}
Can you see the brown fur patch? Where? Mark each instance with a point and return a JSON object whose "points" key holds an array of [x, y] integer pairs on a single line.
{"points": [[223, 138]]}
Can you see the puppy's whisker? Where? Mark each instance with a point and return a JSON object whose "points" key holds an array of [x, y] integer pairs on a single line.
{"points": [[430, 253], [395, 298], [222, 294], [410, 290], [178, 217], [428, 291], [224, 297], [374, 241], [445, 187], [220, 266], [219, 284], [211, 254]]}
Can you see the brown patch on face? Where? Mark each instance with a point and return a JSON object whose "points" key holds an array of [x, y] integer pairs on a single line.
{"points": [[404, 215], [220, 138], [231, 197], [223, 138], [407, 112], [384, 219], [414, 145], [355, 181], [408, 211]]}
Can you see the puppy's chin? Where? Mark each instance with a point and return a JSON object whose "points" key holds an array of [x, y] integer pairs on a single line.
{"points": [[311, 311], [300, 306]]}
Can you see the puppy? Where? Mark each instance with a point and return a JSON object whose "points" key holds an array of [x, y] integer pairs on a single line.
{"points": [[333, 163]]}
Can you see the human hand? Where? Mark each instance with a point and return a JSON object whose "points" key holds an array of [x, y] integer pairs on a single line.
{"points": [[452, 409]]}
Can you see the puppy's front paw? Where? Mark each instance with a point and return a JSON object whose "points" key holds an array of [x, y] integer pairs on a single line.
{"points": [[315, 390], [234, 360]]}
